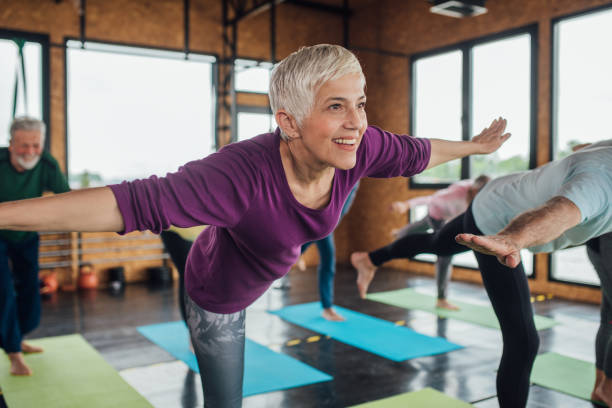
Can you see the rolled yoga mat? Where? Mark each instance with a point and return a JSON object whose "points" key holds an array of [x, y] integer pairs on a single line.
{"points": [[70, 373], [468, 312]]}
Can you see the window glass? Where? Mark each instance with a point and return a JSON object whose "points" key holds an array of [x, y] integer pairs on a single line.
{"points": [[582, 103], [437, 112], [252, 76], [135, 112], [501, 86], [10, 71], [582, 92], [252, 124]]}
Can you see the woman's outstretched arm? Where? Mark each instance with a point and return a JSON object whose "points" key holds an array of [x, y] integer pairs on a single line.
{"points": [[488, 141], [92, 209]]}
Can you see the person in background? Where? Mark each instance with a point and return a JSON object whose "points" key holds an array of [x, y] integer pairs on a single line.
{"points": [[26, 171], [178, 242], [327, 265], [442, 206]]}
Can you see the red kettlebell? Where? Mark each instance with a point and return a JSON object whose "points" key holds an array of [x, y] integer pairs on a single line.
{"points": [[88, 279]]}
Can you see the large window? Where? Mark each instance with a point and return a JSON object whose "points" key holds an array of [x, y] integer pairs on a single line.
{"points": [[458, 91], [134, 112], [30, 102], [582, 102]]}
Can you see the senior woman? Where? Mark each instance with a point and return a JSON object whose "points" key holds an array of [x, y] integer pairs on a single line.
{"points": [[287, 187]]}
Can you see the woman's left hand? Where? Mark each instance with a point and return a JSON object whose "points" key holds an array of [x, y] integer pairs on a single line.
{"points": [[491, 138]]}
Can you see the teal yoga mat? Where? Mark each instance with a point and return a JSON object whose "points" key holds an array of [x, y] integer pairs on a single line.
{"points": [[468, 312], [264, 370], [368, 333], [69, 374], [564, 374]]}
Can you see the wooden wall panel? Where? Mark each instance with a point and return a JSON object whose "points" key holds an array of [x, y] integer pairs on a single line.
{"points": [[205, 26], [252, 99], [156, 23]]}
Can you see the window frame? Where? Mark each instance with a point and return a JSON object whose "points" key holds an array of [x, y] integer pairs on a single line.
{"points": [[465, 48], [554, 74], [43, 40], [466, 118], [214, 84]]}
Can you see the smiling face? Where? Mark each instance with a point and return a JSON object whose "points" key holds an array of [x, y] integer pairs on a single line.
{"points": [[331, 133], [25, 149]]}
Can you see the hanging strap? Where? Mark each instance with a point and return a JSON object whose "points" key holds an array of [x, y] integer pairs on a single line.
{"points": [[20, 42]]}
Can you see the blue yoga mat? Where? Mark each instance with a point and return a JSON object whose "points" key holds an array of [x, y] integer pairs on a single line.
{"points": [[264, 370], [368, 333]]}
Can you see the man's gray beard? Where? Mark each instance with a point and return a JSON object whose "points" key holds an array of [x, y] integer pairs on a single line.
{"points": [[28, 165]]}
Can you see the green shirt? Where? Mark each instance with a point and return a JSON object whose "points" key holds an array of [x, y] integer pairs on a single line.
{"points": [[14, 185]]}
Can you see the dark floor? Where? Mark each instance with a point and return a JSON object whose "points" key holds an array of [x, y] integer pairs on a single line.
{"points": [[109, 323]]}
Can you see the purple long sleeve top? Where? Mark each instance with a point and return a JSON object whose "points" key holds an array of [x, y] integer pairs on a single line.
{"points": [[256, 225]]}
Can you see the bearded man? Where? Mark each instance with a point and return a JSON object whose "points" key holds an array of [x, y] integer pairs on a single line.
{"points": [[26, 171]]}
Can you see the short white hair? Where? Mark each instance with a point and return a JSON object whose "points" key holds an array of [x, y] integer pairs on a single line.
{"points": [[27, 123], [296, 79]]}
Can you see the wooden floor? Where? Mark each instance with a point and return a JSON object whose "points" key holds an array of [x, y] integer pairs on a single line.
{"points": [[109, 323]]}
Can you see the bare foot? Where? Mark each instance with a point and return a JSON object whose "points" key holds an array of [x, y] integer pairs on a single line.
{"points": [[603, 392], [365, 271], [443, 304], [331, 315], [599, 376], [28, 348], [18, 365]]}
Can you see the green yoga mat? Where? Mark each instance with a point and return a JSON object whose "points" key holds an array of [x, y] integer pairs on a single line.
{"points": [[565, 374], [425, 398], [69, 374], [477, 314]]}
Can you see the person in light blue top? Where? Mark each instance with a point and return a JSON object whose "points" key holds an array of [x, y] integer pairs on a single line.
{"points": [[561, 204], [581, 178]]}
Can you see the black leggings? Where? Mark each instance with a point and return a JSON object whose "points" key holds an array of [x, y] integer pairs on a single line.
{"points": [[599, 251], [509, 293]]}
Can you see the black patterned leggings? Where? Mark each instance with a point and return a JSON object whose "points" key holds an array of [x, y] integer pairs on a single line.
{"points": [[218, 342]]}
